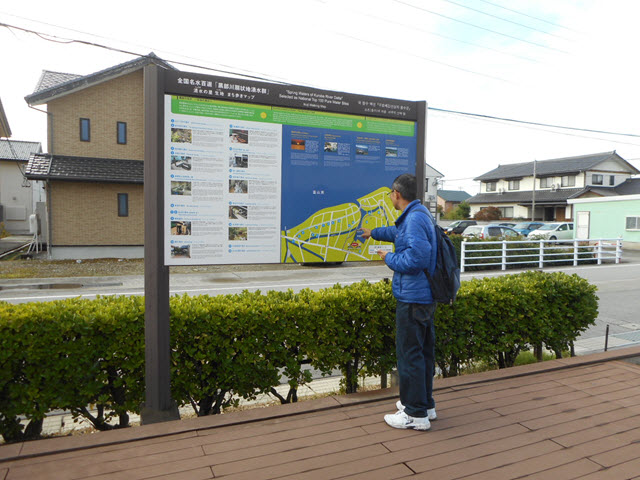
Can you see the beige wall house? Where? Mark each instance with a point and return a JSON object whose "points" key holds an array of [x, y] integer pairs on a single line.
{"points": [[450, 199], [540, 189], [93, 172]]}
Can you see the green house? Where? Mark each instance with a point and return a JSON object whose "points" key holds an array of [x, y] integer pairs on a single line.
{"points": [[609, 218]]}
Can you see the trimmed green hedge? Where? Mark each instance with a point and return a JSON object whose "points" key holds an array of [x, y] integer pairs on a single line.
{"points": [[76, 353]]}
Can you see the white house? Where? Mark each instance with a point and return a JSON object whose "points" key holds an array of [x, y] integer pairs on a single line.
{"points": [[18, 196], [431, 188], [546, 185]]}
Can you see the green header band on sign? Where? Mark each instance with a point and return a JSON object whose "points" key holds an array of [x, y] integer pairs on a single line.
{"points": [[205, 107]]}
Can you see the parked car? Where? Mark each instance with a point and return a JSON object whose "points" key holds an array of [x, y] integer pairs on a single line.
{"points": [[491, 231], [459, 226], [507, 224], [553, 231], [523, 228]]}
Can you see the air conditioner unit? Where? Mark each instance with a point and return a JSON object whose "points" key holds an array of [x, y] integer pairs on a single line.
{"points": [[501, 191], [554, 187]]}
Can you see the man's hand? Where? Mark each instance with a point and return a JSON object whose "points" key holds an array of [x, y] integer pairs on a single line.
{"points": [[382, 254], [365, 233]]}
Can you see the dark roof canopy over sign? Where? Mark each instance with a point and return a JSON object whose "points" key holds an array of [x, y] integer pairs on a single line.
{"points": [[293, 96]]}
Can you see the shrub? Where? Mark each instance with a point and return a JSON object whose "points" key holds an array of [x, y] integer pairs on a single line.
{"points": [[488, 214], [77, 353]]}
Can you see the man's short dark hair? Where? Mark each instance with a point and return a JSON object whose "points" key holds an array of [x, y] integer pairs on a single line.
{"points": [[407, 186]]}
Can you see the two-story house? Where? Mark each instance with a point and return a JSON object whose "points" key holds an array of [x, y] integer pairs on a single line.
{"points": [[93, 172], [540, 189]]}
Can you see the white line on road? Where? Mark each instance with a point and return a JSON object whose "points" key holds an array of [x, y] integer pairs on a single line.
{"points": [[174, 291]]}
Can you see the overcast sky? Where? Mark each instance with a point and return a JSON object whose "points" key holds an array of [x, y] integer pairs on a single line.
{"points": [[562, 62]]}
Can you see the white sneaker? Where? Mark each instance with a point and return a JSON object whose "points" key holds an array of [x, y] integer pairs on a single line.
{"points": [[402, 420], [431, 413]]}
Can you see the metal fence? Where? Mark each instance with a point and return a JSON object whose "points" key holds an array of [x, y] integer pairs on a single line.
{"points": [[538, 253]]}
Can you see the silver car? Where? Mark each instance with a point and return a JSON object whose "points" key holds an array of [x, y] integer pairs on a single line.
{"points": [[553, 231], [490, 231]]}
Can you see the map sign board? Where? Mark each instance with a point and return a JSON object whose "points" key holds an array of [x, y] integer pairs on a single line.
{"points": [[265, 173]]}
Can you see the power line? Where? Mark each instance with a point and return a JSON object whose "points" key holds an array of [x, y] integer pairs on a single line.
{"points": [[133, 44], [503, 19], [491, 117], [379, 45], [454, 112], [527, 15], [57, 39], [478, 26], [375, 17]]}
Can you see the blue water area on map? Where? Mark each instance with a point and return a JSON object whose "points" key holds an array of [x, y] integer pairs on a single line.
{"points": [[322, 168]]}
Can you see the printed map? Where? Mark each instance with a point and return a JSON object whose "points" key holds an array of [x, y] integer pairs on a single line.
{"points": [[330, 234]]}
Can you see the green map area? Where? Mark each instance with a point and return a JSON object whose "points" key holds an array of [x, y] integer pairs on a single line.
{"points": [[330, 234]]}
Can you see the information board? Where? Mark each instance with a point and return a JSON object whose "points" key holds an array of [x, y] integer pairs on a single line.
{"points": [[257, 183]]}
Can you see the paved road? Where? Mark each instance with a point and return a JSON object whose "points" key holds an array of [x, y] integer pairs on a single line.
{"points": [[618, 289]]}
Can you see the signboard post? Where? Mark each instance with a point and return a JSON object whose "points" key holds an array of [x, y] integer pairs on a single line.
{"points": [[241, 171], [158, 406]]}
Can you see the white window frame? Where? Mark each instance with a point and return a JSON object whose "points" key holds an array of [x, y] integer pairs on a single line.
{"points": [[514, 184], [493, 185], [598, 176], [637, 223], [568, 181]]}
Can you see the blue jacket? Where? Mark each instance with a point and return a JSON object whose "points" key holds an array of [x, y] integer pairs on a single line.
{"points": [[415, 249]]}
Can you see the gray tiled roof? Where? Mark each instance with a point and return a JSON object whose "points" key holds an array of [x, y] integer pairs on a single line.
{"points": [[630, 187], [18, 150], [47, 88], [51, 79], [453, 195], [84, 169], [558, 166], [542, 196]]}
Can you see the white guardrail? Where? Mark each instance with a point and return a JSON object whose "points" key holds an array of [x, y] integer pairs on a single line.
{"points": [[540, 252]]}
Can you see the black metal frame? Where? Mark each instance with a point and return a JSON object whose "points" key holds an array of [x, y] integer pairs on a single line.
{"points": [[159, 406]]}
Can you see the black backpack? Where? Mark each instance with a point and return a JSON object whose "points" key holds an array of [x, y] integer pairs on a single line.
{"points": [[445, 280]]}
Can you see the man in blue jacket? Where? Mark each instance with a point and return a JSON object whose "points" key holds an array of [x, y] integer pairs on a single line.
{"points": [[415, 250]]}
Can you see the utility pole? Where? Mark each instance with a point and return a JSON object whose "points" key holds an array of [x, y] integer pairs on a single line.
{"points": [[533, 193]]}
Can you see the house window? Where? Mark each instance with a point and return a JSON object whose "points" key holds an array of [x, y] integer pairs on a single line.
{"points": [[506, 212], [514, 184], [633, 223], [123, 204], [122, 133], [596, 179], [85, 130], [612, 179], [569, 181], [545, 182], [491, 186]]}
